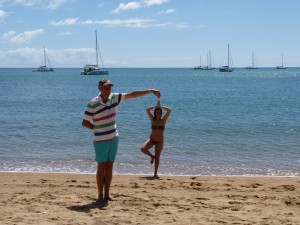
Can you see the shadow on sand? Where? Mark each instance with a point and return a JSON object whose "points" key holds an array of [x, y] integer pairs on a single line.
{"points": [[150, 178], [88, 207]]}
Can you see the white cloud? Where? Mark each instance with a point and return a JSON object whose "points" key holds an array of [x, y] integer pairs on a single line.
{"points": [[181, 25], [32, 57], [3, 14], [67, 22], [47, 4], [169, 11], [8, 35], [163, 24], [54, 4], [26, 36], [176, 25], [125, 7], [136, 5], [136, 23], [15, 58], [155, 2], [133, 23]]}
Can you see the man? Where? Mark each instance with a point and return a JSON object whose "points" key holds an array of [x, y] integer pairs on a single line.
{"points": [[100, 116]]}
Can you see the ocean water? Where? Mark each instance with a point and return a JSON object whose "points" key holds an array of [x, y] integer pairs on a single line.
{"points": [[223, 124]]}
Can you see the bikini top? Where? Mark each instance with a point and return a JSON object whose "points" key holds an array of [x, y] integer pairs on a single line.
{"points": [[160, 127]]}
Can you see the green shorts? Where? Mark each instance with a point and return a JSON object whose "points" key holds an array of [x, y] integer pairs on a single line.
{"points": [[106, 151]]}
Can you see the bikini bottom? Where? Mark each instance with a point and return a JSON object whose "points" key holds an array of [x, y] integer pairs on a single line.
{"points": [[155, 142]]}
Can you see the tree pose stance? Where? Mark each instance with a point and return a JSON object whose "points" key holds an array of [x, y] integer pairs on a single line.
{"points": [[156, 138]]}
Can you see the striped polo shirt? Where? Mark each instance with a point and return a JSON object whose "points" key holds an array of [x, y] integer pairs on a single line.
{"points": [[103, 116]]}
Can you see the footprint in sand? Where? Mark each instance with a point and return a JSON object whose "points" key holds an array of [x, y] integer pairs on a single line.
{"points": [[286, 187], [254, 185]]}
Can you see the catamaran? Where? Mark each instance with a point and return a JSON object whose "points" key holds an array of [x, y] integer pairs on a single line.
{"points": [[93, 69], [44, 68], [209, 64], [282, 66], [198, 67], [229, 67], [253, 64]]}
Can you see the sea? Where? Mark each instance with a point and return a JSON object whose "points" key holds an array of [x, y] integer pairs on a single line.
{"points": [[244, 123]]}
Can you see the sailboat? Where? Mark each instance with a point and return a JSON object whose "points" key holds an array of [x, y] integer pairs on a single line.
{"points": [[93, 69], [281, 67], [229, 59], [209, 66], [252, 65], [198, 67], [44, 68]]}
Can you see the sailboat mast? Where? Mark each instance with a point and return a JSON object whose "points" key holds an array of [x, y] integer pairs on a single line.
{"points": [[252, 59], [200, 60], [228, 56], [45, 56], [96, 48], [209, 59]]}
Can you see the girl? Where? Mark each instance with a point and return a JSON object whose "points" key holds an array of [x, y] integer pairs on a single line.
{"points": [[156, 138]]}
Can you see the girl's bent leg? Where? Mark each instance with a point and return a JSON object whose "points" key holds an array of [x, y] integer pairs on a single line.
{"points": [[145, 148]]}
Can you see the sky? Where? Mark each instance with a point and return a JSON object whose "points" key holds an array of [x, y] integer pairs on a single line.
{"points": [[149, 33]]}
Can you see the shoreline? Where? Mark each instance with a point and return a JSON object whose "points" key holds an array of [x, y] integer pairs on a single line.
{"points": [[65, 198], [162, 175]]}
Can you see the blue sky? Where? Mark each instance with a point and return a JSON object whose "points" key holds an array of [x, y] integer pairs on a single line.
{"points": [[149, 33]]}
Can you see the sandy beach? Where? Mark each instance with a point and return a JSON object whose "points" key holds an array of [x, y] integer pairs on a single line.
{"points": [[35, 198]]}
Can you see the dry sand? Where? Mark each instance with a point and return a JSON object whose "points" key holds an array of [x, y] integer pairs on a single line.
{"points": [[34, 198]]}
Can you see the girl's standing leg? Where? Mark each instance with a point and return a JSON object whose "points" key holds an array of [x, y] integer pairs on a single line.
{"points": [[158, 149]]}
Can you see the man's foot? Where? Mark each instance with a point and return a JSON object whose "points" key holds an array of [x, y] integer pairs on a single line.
{"points": [[109, 198], [156, 176], [101, 203], [101, 200]]}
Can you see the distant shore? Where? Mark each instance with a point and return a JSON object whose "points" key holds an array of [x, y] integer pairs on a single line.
{"points": [[39, 198]]}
